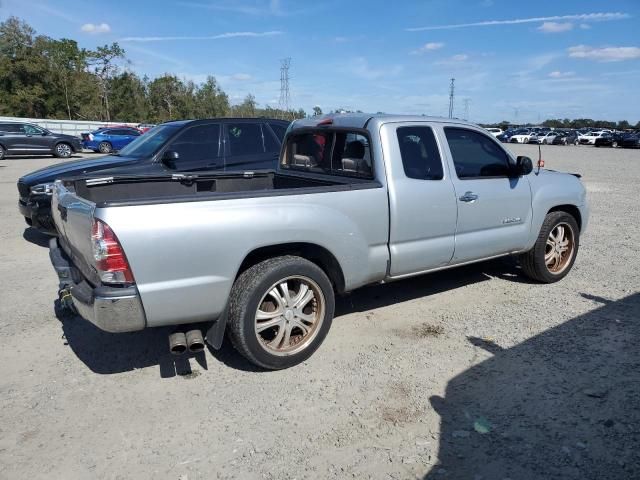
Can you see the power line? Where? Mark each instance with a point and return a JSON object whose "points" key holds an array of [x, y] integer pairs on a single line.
{"points": [[285, 99], [451, 97]]}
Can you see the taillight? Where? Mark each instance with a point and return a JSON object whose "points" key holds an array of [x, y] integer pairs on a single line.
{"points": [[111, 262]]}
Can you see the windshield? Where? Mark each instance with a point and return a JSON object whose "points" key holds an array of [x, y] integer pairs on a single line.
{"points": [[149, 143]]}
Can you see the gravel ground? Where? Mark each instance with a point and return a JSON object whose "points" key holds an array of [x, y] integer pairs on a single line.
{"points": [[473, 373]]}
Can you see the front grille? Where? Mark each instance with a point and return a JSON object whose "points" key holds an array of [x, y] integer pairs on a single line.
{"points": [[23, 189]]}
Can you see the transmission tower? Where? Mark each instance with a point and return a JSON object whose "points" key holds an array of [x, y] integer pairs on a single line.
{"points": [[466, 102], [451, 97], [283, 102]]}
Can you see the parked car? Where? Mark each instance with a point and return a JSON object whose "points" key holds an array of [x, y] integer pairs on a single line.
{"points": [[218, 144], [548, 138], [522, 136], [609, 139], [107, 140], [28, 139], [506, 135], [495, 131], [589, 138], [264, 253], [631, 141]]}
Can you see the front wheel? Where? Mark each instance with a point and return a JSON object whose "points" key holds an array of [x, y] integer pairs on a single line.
{"points": [[614, 144], [280, 311], [62, 150], [2, 152], [555, 250]]}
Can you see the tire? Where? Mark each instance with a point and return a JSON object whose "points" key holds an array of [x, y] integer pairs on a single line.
{"points": [[2, 152], [105, 147], [614, 145], [62, 150], [537, 263], [258, 288]]}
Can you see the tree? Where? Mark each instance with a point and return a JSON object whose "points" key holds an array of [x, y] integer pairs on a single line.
{"points": [[164, 93], [211, 101], [105, 68], [317, 111], [66, 62]]}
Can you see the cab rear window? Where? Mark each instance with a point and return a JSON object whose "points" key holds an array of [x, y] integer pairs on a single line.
{"points": [[341, 152]]}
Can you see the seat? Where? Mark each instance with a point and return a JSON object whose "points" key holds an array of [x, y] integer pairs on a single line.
{"points": [[353, 158]]}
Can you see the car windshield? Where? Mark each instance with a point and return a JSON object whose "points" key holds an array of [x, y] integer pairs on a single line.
{"points": [[149, 143]]}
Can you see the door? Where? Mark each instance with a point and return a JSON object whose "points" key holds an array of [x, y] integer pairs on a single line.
{"points": [[246, 149], [198, 148], [494, 207], [120, 138], [422, 203], [31, 139]]}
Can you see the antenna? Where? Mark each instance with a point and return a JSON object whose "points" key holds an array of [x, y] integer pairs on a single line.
{"points": [[283, 102], [451, 96]]}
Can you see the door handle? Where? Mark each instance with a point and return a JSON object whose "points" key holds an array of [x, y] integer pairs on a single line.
{"points": [[469, 197]]}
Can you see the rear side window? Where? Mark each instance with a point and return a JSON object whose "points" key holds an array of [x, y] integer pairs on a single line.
{"points": [[10, 128], [419, 152], [245, 138], [475, 155], [199, 143], [279, 130], [271, 144], [336, 153]]}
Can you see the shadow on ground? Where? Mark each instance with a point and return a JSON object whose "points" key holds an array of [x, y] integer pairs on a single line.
{"points": [[108, 353], [564, 404]]}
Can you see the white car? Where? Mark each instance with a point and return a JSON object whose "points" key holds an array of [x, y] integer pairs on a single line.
{"points": [[547, 138], [589, 138], [495, 131], [522, 137]]}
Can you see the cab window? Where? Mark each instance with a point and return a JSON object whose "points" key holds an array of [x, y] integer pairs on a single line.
{"points": [[475, 155]]}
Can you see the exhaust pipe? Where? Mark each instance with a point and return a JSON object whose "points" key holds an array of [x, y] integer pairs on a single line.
{"points": [[177, 343], [195, 341]]}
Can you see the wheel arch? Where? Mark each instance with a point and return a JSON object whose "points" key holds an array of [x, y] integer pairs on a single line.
{"points": [[66, 142], [571, 210], [322, 257]]}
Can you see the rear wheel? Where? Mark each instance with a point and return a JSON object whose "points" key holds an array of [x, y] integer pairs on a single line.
{"points": [[555, 250], [280, 311], [105, 147], [614, 144], [2, 152], [62, 150]]}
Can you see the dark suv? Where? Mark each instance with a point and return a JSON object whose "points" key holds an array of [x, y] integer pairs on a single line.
{"points": [[28, 139], [224, 144]]}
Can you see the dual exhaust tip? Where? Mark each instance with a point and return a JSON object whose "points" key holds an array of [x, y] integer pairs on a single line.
{"points": [[180, 342]]}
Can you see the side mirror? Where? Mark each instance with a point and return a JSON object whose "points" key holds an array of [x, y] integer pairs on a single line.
{"points": [[169, 158], [45, 133], [524, 166]]}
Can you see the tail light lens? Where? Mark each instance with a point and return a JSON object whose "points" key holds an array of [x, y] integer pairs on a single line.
{"points": [[111, 262]]}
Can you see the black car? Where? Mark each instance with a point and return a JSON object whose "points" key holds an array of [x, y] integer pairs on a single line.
{"points": [[610, 139], [28, 139], [631, 140], [181, 146]]}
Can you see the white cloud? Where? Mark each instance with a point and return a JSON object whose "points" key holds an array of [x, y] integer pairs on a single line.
{"points": [[606, 54], [96, 28], [241, 77], [558, 74], [428, 47], [585, 26], [461, 57], [555, 27], [202, 37], [583, 17]]}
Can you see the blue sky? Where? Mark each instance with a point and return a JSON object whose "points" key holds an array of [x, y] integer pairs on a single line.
{"points": [[546, 60]]}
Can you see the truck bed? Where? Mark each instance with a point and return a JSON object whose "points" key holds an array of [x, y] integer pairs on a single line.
{"points": [[140, 190]]}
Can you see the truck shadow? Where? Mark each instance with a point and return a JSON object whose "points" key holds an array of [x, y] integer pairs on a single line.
{"points": [[109, 353], [564, 404]]}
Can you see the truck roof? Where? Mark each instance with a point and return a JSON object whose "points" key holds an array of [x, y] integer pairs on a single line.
{"points": [[360, 120]]}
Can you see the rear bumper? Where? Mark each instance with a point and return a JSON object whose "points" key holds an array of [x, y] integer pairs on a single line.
{"points": [[112, 309]]}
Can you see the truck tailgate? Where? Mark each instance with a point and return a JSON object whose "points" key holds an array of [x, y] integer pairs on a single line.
{"points": [[73, 218]]}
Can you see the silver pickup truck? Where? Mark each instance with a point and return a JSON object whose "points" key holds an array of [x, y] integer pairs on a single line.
{"points": [[356, 200]]}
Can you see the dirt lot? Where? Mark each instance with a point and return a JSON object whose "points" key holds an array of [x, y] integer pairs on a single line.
{"points": [[474, 373]]}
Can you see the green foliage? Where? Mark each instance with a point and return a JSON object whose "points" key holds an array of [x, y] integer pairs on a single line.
{"points": [[47, 78]]}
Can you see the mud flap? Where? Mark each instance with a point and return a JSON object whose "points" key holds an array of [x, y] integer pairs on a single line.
{"points": [[215, 334]]}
